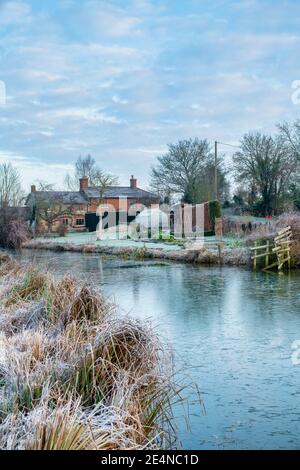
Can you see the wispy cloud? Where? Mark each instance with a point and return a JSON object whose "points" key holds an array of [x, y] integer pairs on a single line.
{"points": [[120, 79], [116, 99], [85, 114], [14, 13]]}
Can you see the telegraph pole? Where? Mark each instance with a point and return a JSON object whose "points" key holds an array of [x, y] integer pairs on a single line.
{"points": [[216, 165], [216, 171]]}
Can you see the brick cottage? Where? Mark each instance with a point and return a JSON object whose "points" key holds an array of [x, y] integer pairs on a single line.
{"points": [[77, 210]]}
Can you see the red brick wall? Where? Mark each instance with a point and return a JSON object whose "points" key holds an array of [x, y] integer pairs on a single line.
{"points": [[208, 223], [118, 204]]}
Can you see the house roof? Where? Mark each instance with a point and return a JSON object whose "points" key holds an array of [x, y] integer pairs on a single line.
{"points": [[120, 191], [58, 197], [82, 197]]}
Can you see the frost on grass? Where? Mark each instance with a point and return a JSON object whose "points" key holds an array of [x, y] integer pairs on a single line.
{"points": [[73, 374]]}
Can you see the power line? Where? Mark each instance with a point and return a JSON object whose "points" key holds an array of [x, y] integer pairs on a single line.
{"points": [[229, 145], [216, 165]]}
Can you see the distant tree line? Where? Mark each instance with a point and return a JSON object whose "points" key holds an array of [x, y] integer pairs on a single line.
{"points": [[268, 170], [265, 172], [187, 170], [13, 231], [262, 179]]}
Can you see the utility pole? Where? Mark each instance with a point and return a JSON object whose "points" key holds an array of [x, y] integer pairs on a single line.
{"points": [[216, 165], [216, 171]]}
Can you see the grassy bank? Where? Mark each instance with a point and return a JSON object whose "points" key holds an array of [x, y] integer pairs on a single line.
{"points": [[235, 250], [236, 256], [74, 375]]}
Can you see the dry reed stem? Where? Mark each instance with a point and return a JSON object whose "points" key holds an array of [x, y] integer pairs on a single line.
{"points": [[73, 374]]}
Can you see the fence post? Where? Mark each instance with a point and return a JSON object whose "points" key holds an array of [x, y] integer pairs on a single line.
{"points": [[267, 254], [255, 253], [220, 253]]}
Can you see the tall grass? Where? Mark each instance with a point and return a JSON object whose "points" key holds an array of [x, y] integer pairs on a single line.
{"points": [[73, 374]]}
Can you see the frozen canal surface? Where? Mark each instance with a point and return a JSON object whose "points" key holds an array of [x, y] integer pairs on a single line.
{"points": [[232, 331]]}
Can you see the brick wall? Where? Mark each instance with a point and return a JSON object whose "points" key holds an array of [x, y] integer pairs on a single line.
{"points": [[119, 204]]}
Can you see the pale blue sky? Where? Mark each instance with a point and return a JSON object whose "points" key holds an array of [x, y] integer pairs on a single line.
{"points": [[121, 79]]}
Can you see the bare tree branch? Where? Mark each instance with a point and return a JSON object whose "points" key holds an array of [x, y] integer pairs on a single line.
{"points": [[11, 193]]}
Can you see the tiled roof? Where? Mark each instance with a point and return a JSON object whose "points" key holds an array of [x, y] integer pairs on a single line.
{"points": [[121, 191], [58, 197], [82, 197]]}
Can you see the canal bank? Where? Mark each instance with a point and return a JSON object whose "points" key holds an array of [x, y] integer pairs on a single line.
{"points": [[208, 255]]}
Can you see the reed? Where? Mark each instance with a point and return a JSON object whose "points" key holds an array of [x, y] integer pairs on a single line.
{"points": [[74, 374]]}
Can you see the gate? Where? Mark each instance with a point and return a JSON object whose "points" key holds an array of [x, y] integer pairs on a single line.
{"points": [[91, 221], [281, 247]]}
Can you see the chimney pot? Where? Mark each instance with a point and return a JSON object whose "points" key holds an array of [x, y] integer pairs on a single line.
{"points": [[133, 182], [33, 188], [83, 183]]}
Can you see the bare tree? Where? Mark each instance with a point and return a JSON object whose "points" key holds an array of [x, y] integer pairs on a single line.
{"points": [[71, 182], [290, 133], [50, 206], [11, 193], [44, 186], [51, 211], [86, 166], [52, 214], [102, 181], [187, 170], [264, 163], [165, 194]]}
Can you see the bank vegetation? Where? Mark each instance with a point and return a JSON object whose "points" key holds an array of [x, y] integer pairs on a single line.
{"points": [[74, 374]]}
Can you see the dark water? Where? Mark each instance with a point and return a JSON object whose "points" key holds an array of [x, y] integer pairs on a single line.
{"points": [[232, 331]]}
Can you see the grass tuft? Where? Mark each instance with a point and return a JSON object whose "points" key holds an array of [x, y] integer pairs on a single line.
{"points": [[73, 374]]}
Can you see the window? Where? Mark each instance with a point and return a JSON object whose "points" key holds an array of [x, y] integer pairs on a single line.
{"points": [[65, 221], [80, 222]]}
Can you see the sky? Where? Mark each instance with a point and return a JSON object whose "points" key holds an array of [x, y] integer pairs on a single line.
{"points": [[121, 79]]}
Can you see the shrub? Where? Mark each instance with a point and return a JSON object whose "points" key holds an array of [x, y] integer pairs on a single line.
{"points": [[292, 219], [62, 230], [246, 226], [215, 211], [268, 231], [13, 233]]}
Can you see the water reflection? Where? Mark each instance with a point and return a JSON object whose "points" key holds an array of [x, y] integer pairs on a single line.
{"points": [[232, 330]]}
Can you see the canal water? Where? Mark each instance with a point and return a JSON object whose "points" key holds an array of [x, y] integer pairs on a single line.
{"points": [[232, 331]]}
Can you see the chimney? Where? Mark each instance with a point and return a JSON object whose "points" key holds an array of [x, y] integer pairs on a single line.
{"points": [[84, 183], [33, 188], [133, 182]]}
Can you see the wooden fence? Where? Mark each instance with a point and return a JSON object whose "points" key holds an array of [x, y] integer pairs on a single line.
{"points": [[281, 247]]}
